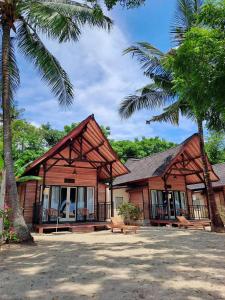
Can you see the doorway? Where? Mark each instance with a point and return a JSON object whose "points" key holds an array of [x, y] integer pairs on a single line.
{"points": [[73, 203]]}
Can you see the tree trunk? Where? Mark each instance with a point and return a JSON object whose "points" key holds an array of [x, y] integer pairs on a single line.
{"points": [[11, 196], [216, 221]]}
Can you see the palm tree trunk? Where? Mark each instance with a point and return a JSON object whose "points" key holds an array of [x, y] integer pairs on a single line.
{"points": [[11, 195], [217, 223]]}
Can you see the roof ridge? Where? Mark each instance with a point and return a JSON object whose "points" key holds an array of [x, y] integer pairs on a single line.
{"points": [[154, 154]]}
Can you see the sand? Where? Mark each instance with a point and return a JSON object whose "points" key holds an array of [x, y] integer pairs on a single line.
{"points": [[156, 263]]}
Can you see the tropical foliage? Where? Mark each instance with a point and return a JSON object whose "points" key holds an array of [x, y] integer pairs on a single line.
{"points": [[188, 79], [22, 23], [129, 212]]}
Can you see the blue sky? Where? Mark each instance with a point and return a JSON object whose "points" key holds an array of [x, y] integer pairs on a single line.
{"points": [[102, 76]]}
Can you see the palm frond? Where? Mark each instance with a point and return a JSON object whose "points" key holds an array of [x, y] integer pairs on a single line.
{"points": [[14, 75], [185, 17], [148, 56], [62, 19], [28, 178], [170, 114], [151, 99], [32, 47]]}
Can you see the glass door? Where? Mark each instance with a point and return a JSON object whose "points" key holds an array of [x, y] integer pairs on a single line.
{"points": [[90, 203], [172, 213], [67, 207], [81, 211]]}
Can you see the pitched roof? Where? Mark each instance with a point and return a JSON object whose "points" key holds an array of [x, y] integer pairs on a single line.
{"points": [[219, 169], [160, 163], [149, 166], [95, 146]]}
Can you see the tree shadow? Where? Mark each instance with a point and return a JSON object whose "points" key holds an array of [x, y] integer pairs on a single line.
{"points": [[157, 263]]}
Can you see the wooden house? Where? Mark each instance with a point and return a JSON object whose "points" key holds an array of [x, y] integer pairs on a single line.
{"points": [[75, 173], [198, 190], [158, 184]]}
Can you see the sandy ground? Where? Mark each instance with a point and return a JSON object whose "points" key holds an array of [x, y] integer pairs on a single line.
{"points": [[156, 263]]}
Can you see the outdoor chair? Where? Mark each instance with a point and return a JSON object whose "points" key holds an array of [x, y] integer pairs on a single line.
{"points": [[52, 212], [118, 223], [183, 222]]}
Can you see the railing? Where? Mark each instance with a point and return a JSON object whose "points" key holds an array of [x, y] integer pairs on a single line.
{"points": [[41, 215], [198, 212], [192, 212], [104, 211]]}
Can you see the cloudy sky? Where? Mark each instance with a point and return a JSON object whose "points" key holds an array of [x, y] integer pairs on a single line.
{"points": [[102, 76]]}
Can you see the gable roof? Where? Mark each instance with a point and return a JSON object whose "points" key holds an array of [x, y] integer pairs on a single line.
{"points": [[95, 146], [163, 163], [219, 169]]}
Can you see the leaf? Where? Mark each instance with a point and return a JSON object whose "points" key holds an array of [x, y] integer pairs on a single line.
{"points": [[32, 47], [28, 178], [14, 80], [62, 19]]}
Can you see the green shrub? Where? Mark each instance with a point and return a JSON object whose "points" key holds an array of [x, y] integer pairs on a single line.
{"points": [[129, 212]]}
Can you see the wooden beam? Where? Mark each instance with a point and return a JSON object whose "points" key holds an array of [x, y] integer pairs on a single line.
{"points": [[94, 148], [111, 191]]}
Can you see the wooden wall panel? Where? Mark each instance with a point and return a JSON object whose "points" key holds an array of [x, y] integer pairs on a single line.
{"points": [[29, 201], [146, 203], [82, 177], [177, 184], [136, 197]]}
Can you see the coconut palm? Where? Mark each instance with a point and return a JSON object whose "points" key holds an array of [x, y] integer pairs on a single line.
{"points": [[22, 23], [160, 92]]}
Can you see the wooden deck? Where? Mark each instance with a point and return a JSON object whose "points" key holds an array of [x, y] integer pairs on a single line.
{"points": [[78, 227], [164, 222], [174, 223]]}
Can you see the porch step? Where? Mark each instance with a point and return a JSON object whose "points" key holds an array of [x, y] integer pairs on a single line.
{"points": [[82, 228]]}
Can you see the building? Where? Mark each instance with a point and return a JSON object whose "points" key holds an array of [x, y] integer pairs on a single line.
{"points": [[159, 184], [198, 190], [74, 176]]}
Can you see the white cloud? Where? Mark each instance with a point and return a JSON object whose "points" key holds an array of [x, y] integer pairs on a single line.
{"points": [[102, 77]]}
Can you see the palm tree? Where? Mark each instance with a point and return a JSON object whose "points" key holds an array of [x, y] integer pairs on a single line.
{"points": [[21, 23], [160, 93]]}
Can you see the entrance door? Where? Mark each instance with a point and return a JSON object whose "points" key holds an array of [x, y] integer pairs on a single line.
{"points": [[67, 207], [169, 205]]}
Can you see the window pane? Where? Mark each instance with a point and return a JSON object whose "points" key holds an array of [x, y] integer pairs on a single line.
{"points": [[118, 202], [80, 204], [72, 203], [182, 200], [45, 204], [62, 207], [55, 197], [90, 203]]}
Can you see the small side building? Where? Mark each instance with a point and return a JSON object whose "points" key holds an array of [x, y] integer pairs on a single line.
{"points": [[158, 184]]}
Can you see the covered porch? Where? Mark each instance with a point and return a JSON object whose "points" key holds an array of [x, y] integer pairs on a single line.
{"points": [[168, 203]]}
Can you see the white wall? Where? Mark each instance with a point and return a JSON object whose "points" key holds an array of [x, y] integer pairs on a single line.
{"points": [[120, 193]]}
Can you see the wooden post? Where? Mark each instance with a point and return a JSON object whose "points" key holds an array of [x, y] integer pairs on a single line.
{"points": [[187, 200], [42, 194], [166, 195], [111, 191]]}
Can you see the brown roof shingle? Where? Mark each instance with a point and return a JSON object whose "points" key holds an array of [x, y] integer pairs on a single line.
{"points": [[149, 166]]}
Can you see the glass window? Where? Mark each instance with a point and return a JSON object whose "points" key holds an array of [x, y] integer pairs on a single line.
{"points": [[80, 204], [182, 200], [118, 202], [55, 197], [45, 204], [90, 203]]}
